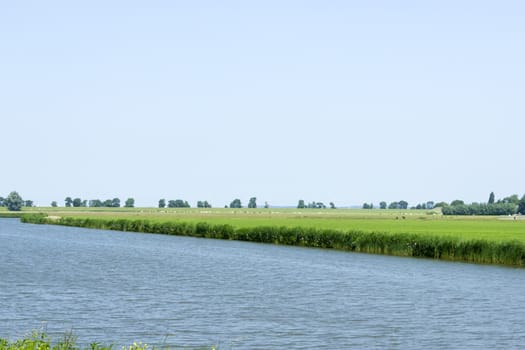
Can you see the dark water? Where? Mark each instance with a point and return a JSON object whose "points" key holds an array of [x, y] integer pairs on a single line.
{"points": [[118, 288]]}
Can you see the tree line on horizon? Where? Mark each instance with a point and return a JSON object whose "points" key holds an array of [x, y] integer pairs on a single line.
{"points": [[96, 203], [235, 204], [509, 205]]}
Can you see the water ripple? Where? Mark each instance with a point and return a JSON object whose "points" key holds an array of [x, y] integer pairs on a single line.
{"points": [[177, 291]]}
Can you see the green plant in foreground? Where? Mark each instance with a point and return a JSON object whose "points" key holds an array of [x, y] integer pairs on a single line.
{"points": [[41, 341], [136, 346]]}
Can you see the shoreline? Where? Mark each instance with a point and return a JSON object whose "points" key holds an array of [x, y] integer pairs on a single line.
{"points": [[508, 253]]}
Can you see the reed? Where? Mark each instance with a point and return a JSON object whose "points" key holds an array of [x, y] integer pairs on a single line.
{"points": [[400, 244]]}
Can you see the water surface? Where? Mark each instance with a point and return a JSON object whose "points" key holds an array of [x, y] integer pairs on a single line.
{"points": [[115, 287]]}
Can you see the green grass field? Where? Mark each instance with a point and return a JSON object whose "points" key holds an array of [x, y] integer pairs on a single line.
{"points": [[499, 229]]}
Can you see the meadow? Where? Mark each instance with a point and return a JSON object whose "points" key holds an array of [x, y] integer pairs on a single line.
{"points": [[416, 233], [421, 222]]}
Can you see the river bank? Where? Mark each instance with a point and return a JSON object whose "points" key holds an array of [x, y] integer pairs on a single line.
{"points": [[511, 253]]}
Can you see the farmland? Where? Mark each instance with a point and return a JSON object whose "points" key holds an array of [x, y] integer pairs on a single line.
{"points": [[492, 240], [421, 222]]}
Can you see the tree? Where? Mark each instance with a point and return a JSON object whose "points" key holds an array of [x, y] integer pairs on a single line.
{"points": [[332, 205], [95, 203], [266, 205], [441, 205], [457, 202], [28, 203], [430, 205], [301, 204], [480, 209], [403, 204], [252, 203], [162, 203], [54, 204], [14, 202], [366, 206], [203, 204], [491, 198], [236, 203], [77, 202], [68, 201], [115, 203], [178, 203], [130, 203], [514, 199], [382, 205], [521, 205], [393, 205]]}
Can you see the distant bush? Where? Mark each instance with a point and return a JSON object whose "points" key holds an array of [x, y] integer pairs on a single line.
{"points": [[35, 218], [480, 209]]}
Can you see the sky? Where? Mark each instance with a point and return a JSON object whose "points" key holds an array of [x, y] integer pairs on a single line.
{"points": [[333, 101]]}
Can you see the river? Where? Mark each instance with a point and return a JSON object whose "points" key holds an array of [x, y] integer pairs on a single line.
{"points": [[115, 287]]}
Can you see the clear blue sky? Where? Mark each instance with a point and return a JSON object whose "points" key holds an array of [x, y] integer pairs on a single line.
{"points": [[343, 101]]}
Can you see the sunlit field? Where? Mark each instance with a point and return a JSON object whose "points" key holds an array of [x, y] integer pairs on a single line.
{"points": [[424, 222]]}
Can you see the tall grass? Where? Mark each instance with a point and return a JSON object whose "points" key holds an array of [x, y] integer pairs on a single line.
{"points": [[42, 341], [399, 244]]}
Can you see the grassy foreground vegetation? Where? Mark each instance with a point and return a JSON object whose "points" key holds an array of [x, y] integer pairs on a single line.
{"points": [[490, 240], [42, 341]]}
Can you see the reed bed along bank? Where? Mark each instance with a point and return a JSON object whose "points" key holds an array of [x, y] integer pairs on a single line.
{"points": [[510, 253]]}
